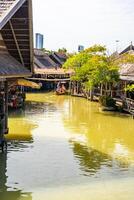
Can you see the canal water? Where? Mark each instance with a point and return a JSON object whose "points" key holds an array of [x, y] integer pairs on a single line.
{"points": [[64, 148]]}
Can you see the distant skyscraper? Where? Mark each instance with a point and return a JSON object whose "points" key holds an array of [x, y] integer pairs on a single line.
{"points": [[39, 41], [80, 48]]}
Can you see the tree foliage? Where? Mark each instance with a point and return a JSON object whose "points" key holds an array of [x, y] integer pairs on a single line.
{"points": [[92, 66], [62, 50], [130, 88]]}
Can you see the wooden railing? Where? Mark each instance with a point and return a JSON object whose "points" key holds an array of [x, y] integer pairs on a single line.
{"points": [[128, 105]]}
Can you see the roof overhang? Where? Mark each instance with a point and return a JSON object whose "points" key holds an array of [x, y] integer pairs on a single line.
{"points": [[127, 78], [16, 29], [7, 14]]}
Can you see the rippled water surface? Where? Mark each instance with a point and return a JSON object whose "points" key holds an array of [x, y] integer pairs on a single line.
{"points": [[64, 148]]}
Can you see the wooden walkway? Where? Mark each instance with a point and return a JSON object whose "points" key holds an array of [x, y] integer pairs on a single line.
{"points": [[127, 104], [49, 80]]}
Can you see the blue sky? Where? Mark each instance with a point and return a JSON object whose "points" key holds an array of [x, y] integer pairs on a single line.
{"points": [[68, 23]]}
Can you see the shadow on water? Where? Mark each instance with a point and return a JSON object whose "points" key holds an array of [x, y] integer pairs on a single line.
{"points": [[92, 161], [7, 193], [32, 107]]}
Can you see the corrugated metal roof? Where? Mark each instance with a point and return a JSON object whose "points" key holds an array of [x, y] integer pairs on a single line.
{"points": [[10, 67]]}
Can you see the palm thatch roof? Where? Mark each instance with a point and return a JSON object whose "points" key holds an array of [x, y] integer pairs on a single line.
{"points": [[16, 38]]}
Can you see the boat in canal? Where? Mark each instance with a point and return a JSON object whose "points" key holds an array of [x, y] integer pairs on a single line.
{"points": [[61, 90]]}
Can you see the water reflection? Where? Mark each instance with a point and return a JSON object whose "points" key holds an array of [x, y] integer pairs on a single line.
{"points": [[33, 107], [7, 193], [20, 139], [60, 141], [111, 134], [21, 125], [90, 160], [95, 163]]}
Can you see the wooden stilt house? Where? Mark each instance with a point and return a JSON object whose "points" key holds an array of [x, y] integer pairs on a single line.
{"points": [[16, 49]]}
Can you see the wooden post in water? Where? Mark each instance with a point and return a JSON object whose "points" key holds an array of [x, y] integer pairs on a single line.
{"points": [[3, 113], [70, 87], [6, 106], [91, 95]]}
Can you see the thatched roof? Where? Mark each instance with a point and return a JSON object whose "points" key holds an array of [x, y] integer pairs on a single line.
{"points": [[8, 9], [43, 60], [17, 34], [130, 48], [10, 67], [44, 64], [125, 61], [127, 69], [58, 58], [127, 72]]}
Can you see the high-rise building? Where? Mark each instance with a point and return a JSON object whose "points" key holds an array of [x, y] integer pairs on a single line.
{"points": [[80, 48], [39, 41]]}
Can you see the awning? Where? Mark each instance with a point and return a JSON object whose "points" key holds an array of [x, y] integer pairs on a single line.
{"points": [[26, 83]]}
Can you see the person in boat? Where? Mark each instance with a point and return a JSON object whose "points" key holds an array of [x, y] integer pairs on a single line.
{"points": [[58, 85], [63, 87], [60, 88]]}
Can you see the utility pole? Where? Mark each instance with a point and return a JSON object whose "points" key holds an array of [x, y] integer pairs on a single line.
{"points": [[117, 42], [131, 45]]}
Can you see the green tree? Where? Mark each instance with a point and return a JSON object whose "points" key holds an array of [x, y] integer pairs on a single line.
{"points": [[62, 50], [130, 88], [93, 67]]}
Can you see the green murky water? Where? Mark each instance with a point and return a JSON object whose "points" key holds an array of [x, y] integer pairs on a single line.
{"points": [[64, 148]]}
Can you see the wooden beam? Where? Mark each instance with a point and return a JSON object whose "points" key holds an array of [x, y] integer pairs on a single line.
{"points": [[17, 35], [30, 15], [19, 50], [17, 29], [16, 42], [49, 80]]}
